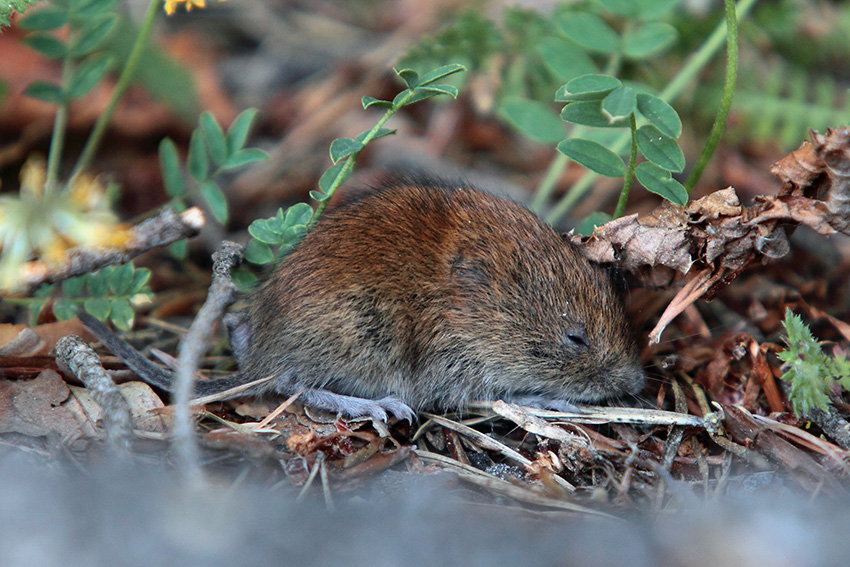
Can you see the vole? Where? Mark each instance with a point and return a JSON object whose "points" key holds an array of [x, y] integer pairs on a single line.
{"points": [[429, 295]]}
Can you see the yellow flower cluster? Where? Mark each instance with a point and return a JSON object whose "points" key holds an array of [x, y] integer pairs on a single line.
{"points": [[45, 224], [171, 5]]}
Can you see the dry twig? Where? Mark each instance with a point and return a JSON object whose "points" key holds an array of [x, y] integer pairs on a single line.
{"points": [[166, 227]]}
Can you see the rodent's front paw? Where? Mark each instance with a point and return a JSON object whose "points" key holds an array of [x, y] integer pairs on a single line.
{"points": [[353, 406]]}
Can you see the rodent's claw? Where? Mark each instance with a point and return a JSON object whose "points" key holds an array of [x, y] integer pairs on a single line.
{"points": [[357, 407], [398, 408]]}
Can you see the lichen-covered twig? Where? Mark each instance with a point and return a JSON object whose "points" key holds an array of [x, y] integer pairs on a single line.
{"points": [[74, 353], [166, 227], [192, 347]]}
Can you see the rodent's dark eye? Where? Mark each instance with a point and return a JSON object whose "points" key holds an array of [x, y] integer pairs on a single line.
{"points": [[576, 338]]}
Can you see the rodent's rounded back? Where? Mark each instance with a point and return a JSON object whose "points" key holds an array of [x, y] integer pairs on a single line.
{"points": [[439, 296]]}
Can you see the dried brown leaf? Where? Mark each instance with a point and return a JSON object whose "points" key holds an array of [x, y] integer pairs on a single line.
{"points": [[720, 237]]}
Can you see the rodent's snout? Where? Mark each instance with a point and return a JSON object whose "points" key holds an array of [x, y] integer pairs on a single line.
{"points": [[636, 382]]}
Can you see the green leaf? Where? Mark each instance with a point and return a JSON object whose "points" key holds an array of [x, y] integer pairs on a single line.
{"points": [[244, 280], [439, 73], [121, 314], [259, 253], [97, 307], [46, 290], [294, 233], [244, 157], [622, 7], [94, 34], [87, 9], [660, 149], [73, 287], [660, 182], [46, 92], [438, 89], [593, 156], [98, 282], [532, 118], [44, 19], [653, 9], [64, 309], [238, 131], [589, 113], [368, 101], [343, 147], [660, 114], [215, 138], [141, 277], [215, 199], [275, 223], [648, 38], [379, 134], [88, 74], [169, 164], [34, 310], [197, 158], [585, 228], [46, 44], [121, 279], [619, 104], [409, 76], [298, 214], [179, 249], [566, 59], [417, 96], [587, 87], [331, 179], [590, 31], [643, 9], [260, 230]]}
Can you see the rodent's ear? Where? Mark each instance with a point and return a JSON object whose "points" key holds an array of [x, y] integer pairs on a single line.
{"points": [[575, 338]]}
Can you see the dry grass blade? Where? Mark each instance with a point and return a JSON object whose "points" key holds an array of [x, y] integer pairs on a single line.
{"points": [[595, 415], [232, 392], [503, 487], [481, 439]]}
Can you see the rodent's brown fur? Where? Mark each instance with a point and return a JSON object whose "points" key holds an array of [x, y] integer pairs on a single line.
{"points": [[438, 296]]}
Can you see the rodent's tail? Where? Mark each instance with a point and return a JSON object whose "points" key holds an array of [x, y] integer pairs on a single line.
{"points": [[147, 370]]}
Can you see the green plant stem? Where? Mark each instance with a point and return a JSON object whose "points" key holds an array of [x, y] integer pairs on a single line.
{"points": [[673, 89], [60, 124], [556, 169], [99, 129], [726, 102], [630, 172], [349, 161]]}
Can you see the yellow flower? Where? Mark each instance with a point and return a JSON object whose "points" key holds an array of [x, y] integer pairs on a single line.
{"points": [[44, 224], [171, 5]]}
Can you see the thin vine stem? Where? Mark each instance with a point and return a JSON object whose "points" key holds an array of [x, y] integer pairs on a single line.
{"points": [[673, 89], [60, 124], [127, 73], [725, 103], [349, 161], [630, 172]]}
